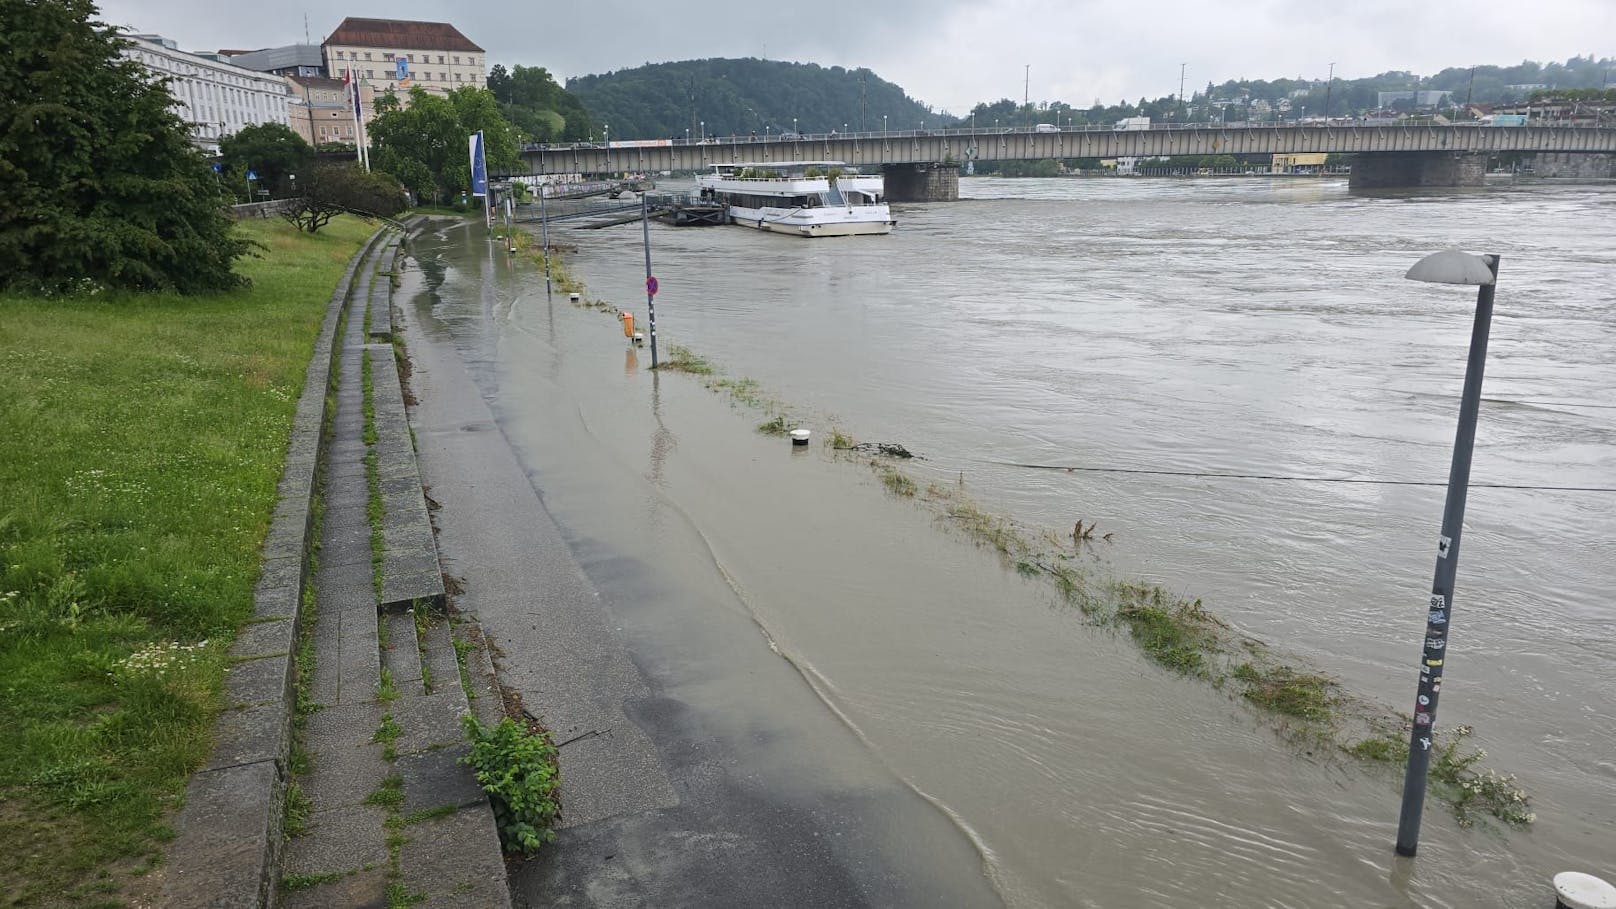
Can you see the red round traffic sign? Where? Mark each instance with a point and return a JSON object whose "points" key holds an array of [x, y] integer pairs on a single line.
{"points": [[651, 285]]}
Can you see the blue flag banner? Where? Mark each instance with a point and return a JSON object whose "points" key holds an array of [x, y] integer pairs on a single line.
{"points": [[479, 166]]}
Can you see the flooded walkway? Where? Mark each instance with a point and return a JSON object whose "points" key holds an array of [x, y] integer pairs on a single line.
{"points": [[1083, 774]]}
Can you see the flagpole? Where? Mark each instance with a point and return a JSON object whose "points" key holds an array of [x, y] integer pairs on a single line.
{"points": [[353, 107]]}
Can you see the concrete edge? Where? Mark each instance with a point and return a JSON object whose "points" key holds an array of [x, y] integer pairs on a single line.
{"points": [[228, 835]]}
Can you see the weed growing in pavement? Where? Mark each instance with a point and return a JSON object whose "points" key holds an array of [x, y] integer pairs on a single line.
{"points": [[387, 734], [517, 768]]}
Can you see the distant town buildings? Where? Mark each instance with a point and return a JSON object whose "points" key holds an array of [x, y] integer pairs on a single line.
{"points": [[1422, 98], [215, 96], [397, 55], [1561, 109]]}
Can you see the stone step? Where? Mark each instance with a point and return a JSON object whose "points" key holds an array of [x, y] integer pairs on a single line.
{"points": [[401, 657], [411, 575], [440, 666]]}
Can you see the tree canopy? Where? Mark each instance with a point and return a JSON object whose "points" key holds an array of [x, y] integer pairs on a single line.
{"points": [[271, 150], [99, 181], [742, 96], [542, 110], [424, 144], [329, 188]]}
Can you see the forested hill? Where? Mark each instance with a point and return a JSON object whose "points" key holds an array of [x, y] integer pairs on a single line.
{"points": [[738, 97]]}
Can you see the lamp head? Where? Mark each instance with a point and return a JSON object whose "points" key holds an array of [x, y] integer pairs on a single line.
{"points": [[1452, 266]]}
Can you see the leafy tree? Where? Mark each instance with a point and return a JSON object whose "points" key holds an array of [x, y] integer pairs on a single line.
{"points": [[424, 144], [329, 189], [98, 175], [271, 150]]}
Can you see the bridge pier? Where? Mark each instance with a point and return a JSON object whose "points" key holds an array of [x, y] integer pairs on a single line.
{"points": [[925, 182], [1391, 170], [1574, 167]]}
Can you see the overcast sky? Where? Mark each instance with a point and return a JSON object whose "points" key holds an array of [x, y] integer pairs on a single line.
{"points": [[953, 53]]}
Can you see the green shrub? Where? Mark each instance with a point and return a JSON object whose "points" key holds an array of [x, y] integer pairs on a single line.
{"points": [[517, 768]]}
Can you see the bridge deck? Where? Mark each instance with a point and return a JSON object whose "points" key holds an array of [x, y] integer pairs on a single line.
{"points": [[959, 146]]}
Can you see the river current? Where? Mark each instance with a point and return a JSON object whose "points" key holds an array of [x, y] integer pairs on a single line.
{"points": [[1203, 327]]}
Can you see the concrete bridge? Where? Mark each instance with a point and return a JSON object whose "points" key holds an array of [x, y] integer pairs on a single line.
{"points": [[923, 165]]}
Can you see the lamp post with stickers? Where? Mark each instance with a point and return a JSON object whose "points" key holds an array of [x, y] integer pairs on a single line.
{"points": [[1448, 267]]}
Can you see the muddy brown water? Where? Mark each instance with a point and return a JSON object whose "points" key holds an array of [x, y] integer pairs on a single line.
{"points": [[1208, 326]]}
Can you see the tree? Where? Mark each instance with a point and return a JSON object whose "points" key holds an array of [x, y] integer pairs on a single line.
{"points": [[271, 150], [98, 176], [424, 144], [328, 190]]}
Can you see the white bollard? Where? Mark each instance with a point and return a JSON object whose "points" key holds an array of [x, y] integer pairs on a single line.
{"points": [[799, 436], [1575, 890]]}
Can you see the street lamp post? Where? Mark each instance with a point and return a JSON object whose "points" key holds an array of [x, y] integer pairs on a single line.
{"points": [[1449, 267], [607, 129]]}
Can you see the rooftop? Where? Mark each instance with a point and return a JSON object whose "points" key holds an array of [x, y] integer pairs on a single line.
{"points": [[402, 34], [272, 58]]}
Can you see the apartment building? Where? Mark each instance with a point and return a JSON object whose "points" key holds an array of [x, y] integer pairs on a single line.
{"points": [[322, 110], [397, 55], [214, 96]]}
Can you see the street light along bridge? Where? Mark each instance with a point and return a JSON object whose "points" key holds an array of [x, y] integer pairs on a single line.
{"points": [[923, 165]]}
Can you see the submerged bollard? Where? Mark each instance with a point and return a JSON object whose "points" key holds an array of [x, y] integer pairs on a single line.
{"points": [[799, 436], [1575, 890]]}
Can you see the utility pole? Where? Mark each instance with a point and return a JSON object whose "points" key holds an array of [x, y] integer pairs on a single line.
{"points": [[1183, 114], [863, 103], [1026, 84], [1329, 83]]}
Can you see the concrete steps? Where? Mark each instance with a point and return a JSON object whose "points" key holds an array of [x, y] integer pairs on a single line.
{"points": [[391, 812]]}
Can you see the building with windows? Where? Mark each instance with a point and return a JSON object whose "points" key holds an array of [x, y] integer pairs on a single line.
{"points": [[291, 60], [322, 110], [216, 97], [397, 55]]}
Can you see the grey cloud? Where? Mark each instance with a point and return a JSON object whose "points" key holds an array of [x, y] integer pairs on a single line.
{"points": [[953, 53]]}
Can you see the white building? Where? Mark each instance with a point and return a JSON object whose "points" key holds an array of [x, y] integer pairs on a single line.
{"points": [[215, 97], [397, 55]]}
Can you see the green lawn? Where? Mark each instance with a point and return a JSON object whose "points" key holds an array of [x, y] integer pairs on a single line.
{"points": [[141, 440]]}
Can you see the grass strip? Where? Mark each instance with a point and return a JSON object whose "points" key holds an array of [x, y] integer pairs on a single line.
{"points": [[142, 438]]}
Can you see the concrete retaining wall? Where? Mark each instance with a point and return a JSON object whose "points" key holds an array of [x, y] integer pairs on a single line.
{"points": [[260, 209]]}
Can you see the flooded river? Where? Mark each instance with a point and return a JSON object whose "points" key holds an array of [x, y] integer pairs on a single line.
{"points": [[1193, 327]]}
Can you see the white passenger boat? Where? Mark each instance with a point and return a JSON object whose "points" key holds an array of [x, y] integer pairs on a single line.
{"points": [[802, 198]]}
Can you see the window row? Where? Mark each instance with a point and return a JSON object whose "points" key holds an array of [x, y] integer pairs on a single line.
{"points": [[389, 57]]}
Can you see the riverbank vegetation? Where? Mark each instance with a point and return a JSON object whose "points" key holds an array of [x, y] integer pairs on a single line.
{"points": [[142, 438], [1178, 633]]}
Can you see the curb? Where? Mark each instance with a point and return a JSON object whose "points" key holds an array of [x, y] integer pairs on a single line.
{"points": [[228, 836]]}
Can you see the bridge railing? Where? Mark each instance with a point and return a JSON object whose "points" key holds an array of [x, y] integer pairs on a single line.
{"points": [[1070, 129]]}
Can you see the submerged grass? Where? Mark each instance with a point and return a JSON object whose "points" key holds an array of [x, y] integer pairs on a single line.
{"points": [[682, 359], [141, 441]]}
